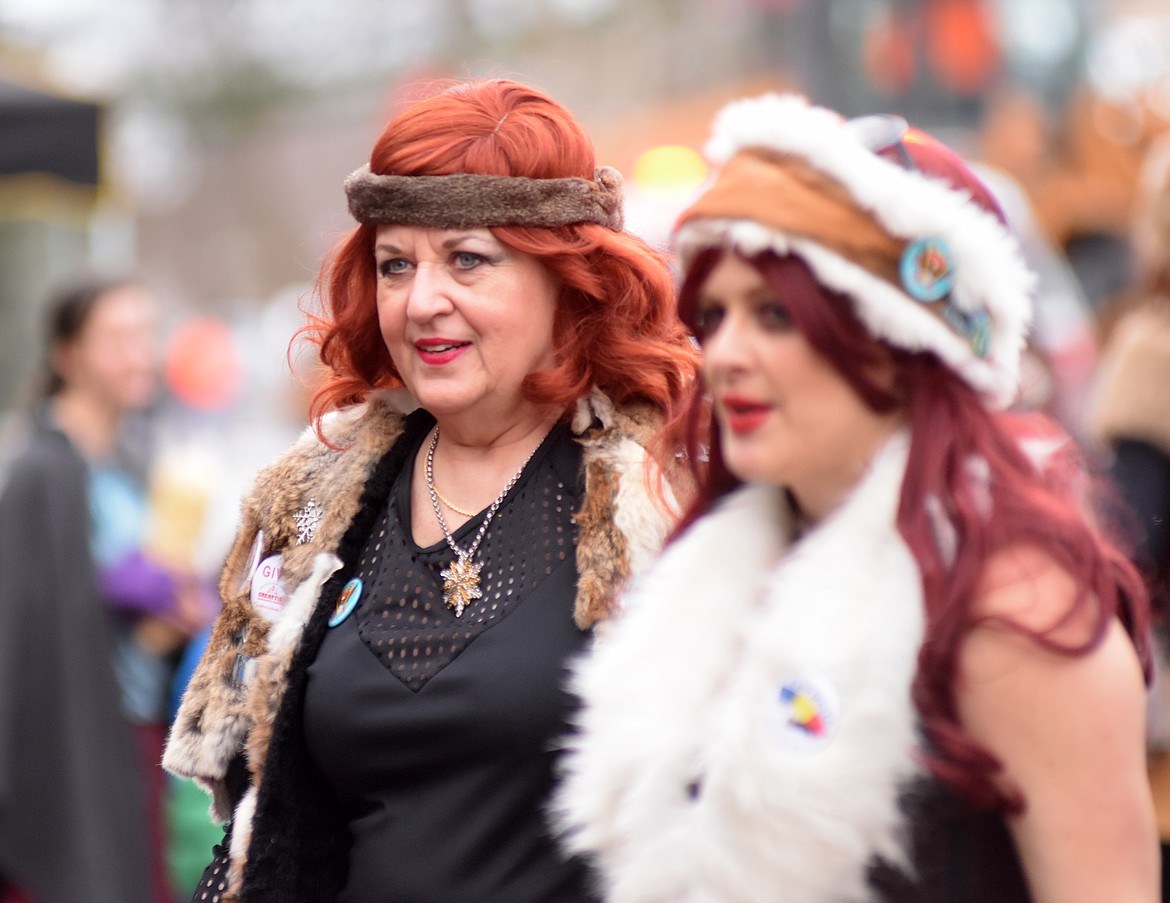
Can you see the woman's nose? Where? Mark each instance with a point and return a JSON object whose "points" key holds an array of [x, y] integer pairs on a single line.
{"points": [[429, 293], [726, 347]]}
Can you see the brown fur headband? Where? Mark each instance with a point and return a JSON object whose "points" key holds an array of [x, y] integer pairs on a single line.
{"points": [[467, 200]]}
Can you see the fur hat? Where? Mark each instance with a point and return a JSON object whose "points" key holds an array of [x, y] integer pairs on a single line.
{"points": [[885, 215], [471, 200]]}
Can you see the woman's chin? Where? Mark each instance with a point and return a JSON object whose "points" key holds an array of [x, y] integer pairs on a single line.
{"points": [[445, 403], [137, 399], [750, 470]]}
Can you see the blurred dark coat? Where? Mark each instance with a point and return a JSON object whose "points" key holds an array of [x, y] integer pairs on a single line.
{"points": [[72, 799]]}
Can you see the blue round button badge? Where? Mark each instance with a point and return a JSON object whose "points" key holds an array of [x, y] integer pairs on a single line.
{"points": [[346, 602], [927, 269]]}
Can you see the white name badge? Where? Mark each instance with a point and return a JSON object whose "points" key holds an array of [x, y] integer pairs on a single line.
{"points": [[268, 596]]}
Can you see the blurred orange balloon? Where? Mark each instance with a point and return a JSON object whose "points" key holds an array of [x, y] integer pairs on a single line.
{"points": [[962, 44], [203, 365]]}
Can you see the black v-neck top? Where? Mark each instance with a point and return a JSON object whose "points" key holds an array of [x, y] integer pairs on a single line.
{"points": [[438, 734]]}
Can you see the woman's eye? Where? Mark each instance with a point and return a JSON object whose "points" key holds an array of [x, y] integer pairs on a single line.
{"points": [[467, 260], [707, 320], [393, 266], [774, 315]]}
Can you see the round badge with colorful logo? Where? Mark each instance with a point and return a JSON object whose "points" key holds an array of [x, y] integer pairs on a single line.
{"points": [[809, 712], [346, 602], [927, 269]]}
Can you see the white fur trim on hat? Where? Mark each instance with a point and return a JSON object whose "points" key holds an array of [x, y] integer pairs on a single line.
{"points": [[990, 273]]}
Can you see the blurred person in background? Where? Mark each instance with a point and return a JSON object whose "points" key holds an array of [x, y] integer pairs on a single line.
{"points": [[88, 621], [1131, 407], [1130, 417], [888, 657], [376, 710]]}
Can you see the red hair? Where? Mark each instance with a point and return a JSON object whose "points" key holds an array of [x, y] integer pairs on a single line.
{"points": [[615, 325], [1031, 503]]}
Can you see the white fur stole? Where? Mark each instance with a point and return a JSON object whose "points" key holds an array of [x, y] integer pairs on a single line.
{"points": [[747, 724]]}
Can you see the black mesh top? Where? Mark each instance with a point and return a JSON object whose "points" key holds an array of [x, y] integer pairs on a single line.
{"points": [[438, 733]]}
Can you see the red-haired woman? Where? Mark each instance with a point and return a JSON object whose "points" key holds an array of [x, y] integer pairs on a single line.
{"points": [[887, 658], [410, 578]]}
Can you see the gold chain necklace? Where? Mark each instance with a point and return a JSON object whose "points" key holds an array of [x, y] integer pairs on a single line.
{"points": [[450, 504], [461, 579]]}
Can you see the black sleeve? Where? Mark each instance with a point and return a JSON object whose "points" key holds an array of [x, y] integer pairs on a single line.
{"points": [[1141, 473]]}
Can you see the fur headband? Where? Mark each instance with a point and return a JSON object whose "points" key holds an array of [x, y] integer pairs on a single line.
{"points": [[926, 267], [469, 200]]}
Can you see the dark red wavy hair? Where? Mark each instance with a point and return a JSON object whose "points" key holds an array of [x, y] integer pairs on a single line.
{"points": [[615, 325], [1032, 503]]}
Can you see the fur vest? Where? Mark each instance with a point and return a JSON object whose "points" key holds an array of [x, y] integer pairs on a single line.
{"points": [[314, 507], [761, 750]]}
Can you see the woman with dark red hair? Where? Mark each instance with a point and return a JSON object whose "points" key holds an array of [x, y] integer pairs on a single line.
{"points": [[887, 657], [377, 708]]}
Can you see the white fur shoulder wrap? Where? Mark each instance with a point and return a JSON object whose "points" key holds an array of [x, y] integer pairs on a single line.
{"points": [[747, 724]]}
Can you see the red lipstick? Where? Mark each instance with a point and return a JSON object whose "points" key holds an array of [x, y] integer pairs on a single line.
{"points": [[744, 415], [439, 350]]}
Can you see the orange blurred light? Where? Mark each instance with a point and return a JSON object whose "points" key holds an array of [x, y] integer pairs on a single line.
{"points": [[961, 44], [669, 167], [203, 367]]}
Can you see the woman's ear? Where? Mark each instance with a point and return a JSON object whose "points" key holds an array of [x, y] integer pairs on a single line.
{"points": [[885, 375], [62, 357]]}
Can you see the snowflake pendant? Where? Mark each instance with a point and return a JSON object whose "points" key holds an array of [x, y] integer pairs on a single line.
{"points": [[307, 519], [461, 583]]}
